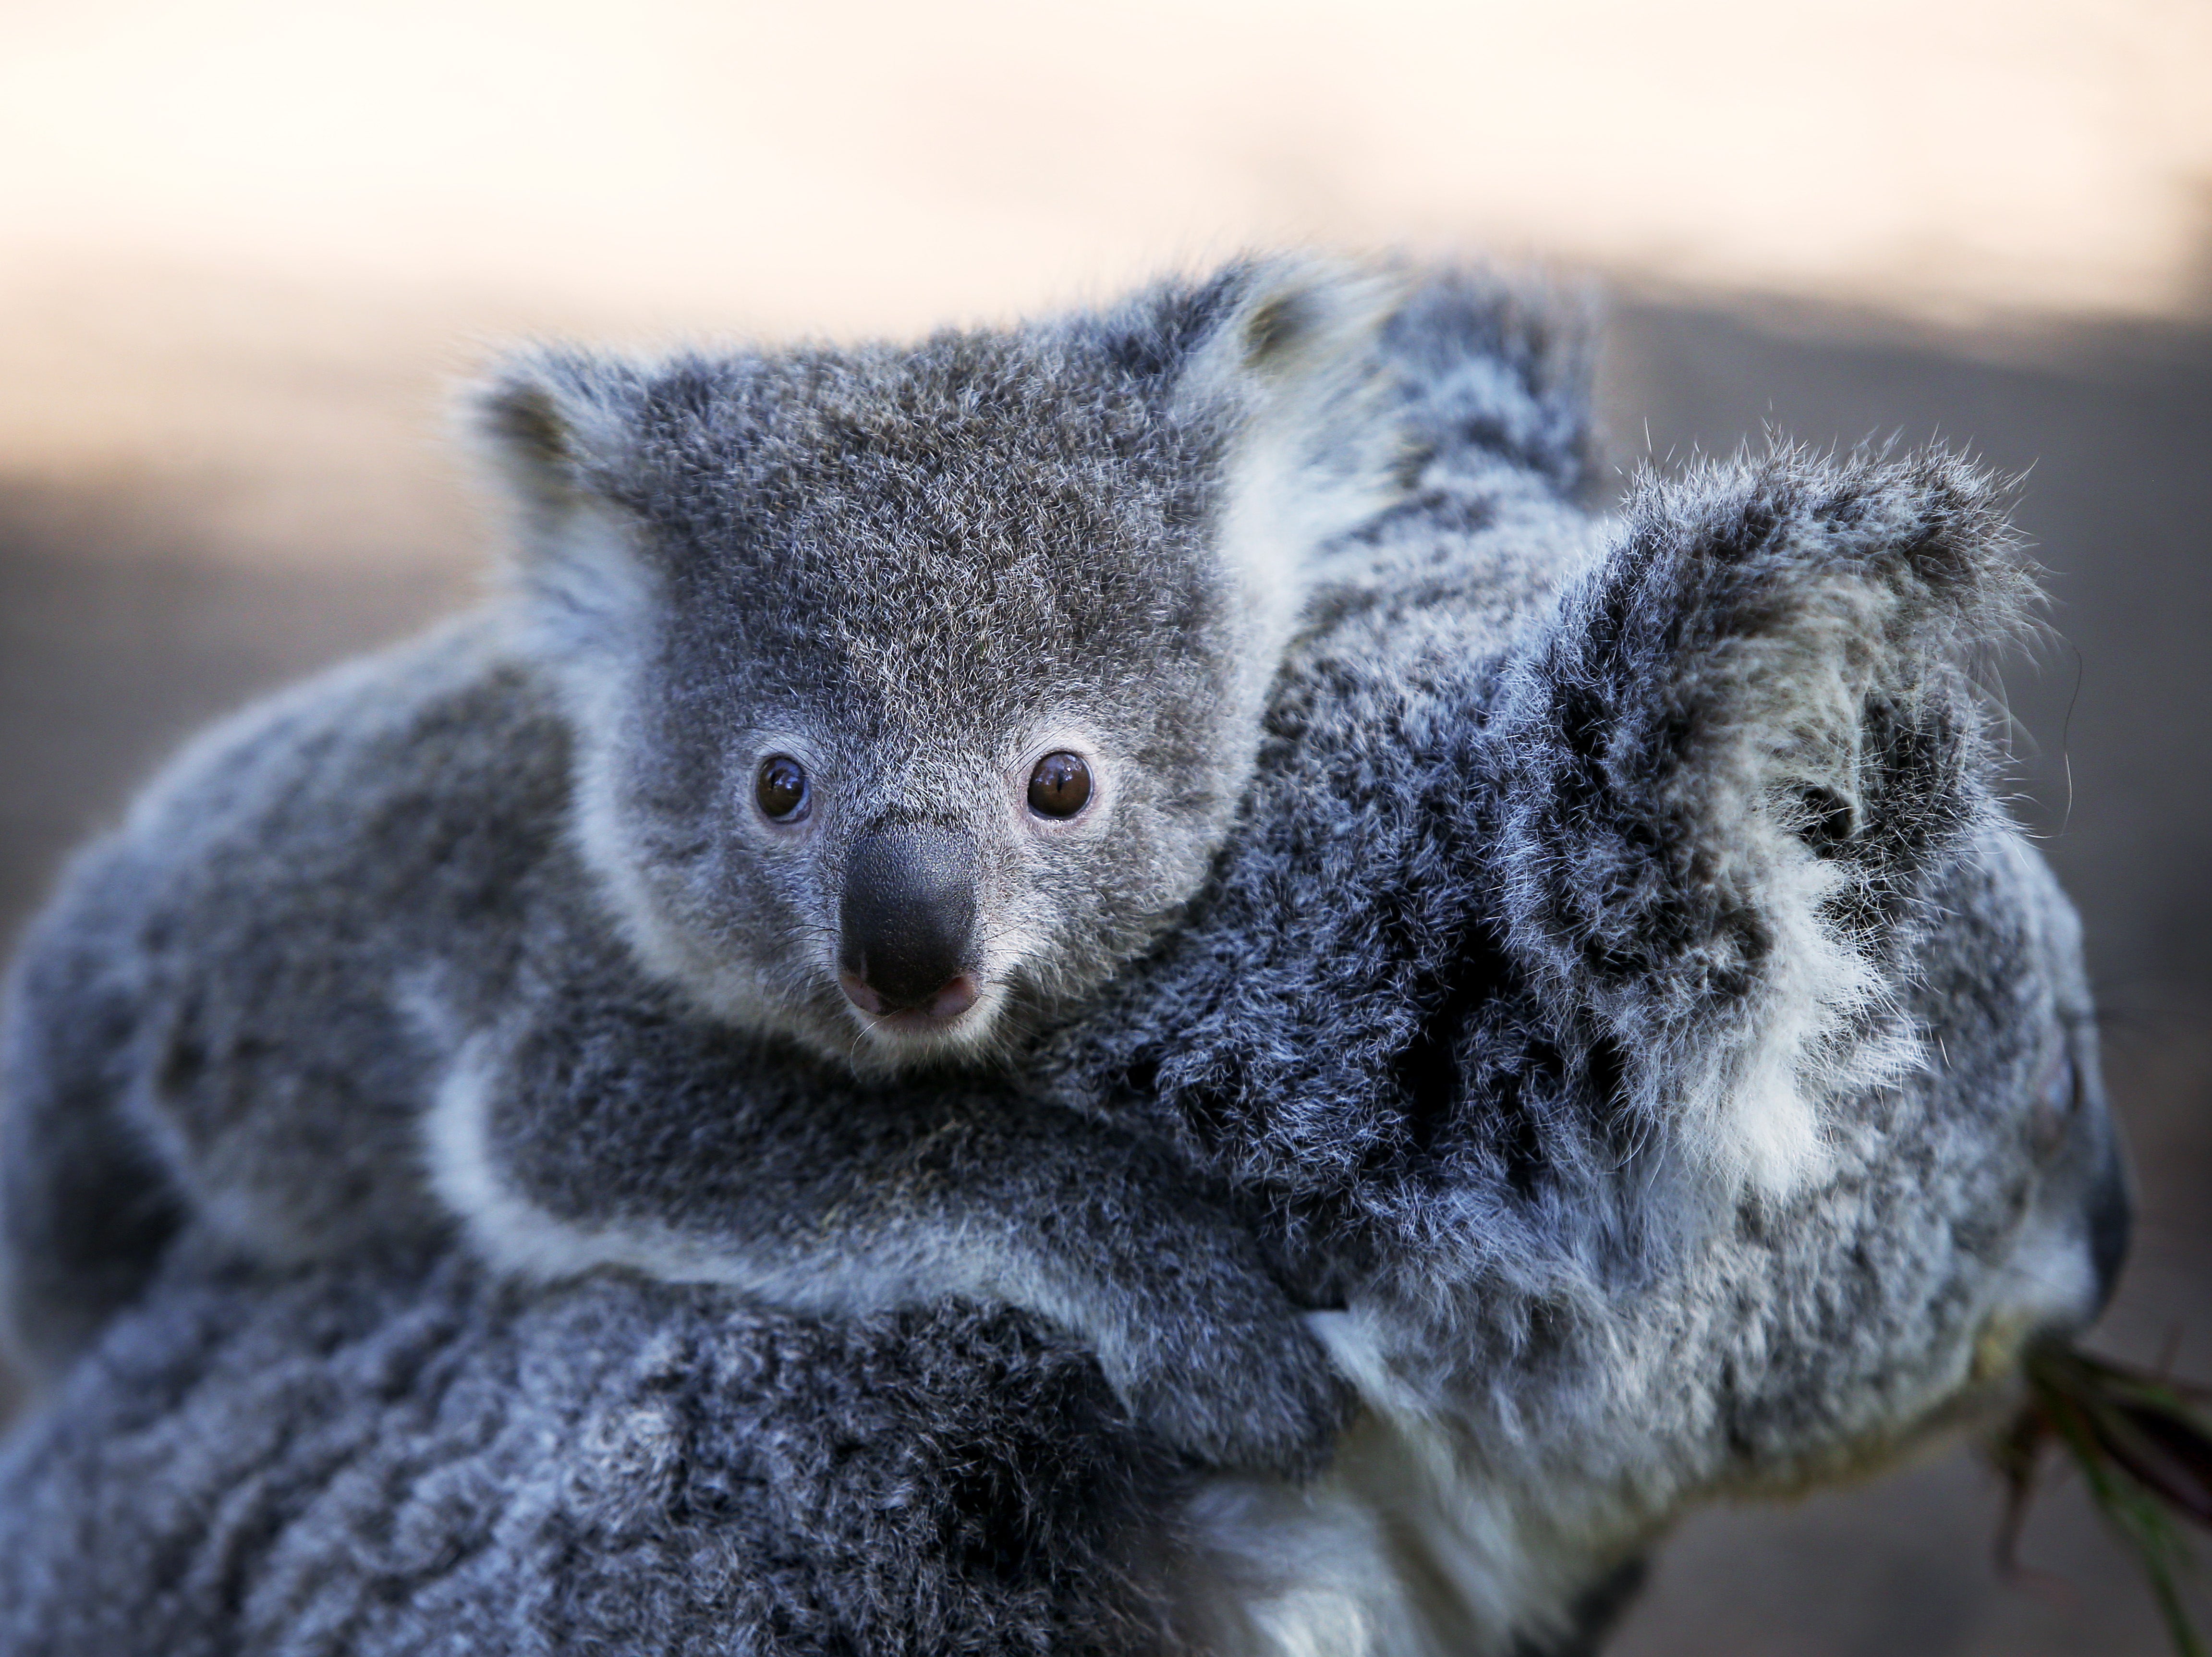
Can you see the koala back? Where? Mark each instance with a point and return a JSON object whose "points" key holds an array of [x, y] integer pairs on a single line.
{"points": [[396, 1456], [216, 1015]]}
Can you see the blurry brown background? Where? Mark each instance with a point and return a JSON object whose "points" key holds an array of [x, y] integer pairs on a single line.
{"points": [[244, 246]]}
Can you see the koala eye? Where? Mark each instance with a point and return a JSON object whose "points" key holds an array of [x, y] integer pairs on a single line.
{"points": [[2061, 1084], [780, 788], [1059, 786], [2057, 1101]]}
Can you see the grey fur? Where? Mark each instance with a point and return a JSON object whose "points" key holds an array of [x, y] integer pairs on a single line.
{"points": [[1623, 1003], [915, 568], [1452, 1005], [413, 1460]]}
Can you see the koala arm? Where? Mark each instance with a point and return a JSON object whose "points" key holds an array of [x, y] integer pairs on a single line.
{"points": [[203, 1025], [85, 1207], [602, 1129]]}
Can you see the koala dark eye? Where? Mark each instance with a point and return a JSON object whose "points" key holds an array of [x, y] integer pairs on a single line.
{"points": [[2061, 1085], [1059, 786], [780, 788], [2057, 1101]]}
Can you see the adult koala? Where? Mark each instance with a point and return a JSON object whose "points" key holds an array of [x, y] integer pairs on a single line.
{"points": [[1624, 1006]]}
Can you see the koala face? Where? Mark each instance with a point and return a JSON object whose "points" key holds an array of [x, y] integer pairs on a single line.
{"points": [[915, 688]]}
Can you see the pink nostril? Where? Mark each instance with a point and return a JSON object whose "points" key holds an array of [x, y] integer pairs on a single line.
{"points": [[859, 993], [954, 999]]}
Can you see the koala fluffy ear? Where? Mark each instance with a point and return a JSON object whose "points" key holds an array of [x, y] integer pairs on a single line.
{"points": [[558, 429], [1293, 347], [1282, 321], [1290, 352], [1726, 765]]}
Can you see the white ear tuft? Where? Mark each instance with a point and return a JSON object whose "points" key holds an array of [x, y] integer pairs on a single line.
{"points": [[557, 429], [1316, 453]]}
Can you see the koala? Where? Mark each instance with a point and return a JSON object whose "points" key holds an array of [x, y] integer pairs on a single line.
{"points": [[1637, 1013], [1622, 1013], [856, 714]]}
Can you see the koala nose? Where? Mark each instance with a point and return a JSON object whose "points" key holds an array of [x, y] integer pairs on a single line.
{"points": [[907, 922], [2111, 1222]]}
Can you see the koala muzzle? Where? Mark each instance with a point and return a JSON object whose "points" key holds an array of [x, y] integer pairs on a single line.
{"points": [[907, 923]]}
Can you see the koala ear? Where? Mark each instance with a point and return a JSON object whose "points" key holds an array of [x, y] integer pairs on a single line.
{"points": [[558, 429], [1289, 353], [1726, 765], [1293, 348], [1282, 320]]}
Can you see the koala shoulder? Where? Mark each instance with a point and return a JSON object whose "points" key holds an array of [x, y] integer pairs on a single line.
{"points": [[403, 772], [210, 1017]]}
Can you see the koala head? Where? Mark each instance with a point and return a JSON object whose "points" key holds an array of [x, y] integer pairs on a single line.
{"points": [[1755, 865], [913, 687]]}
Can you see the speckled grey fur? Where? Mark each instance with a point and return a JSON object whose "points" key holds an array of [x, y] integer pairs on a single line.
{"points": [[411, 1459], [448, 879], [1516, 884], [1622, 1005]]}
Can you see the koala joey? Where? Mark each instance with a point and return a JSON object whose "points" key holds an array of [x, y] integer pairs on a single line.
{"points": [[856, 714]]}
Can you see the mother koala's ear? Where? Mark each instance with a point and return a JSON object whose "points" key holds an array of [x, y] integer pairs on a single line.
{"points": [[1726, 766]]}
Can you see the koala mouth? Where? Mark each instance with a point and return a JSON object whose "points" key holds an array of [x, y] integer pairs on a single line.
{"points": [[934, 1014]]}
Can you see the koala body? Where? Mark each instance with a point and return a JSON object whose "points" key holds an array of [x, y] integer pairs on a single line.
{"points": [[1630, 1002], [857, 713], [1622, 1005]]}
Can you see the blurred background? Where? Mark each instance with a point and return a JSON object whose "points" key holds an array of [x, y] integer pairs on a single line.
{"points": [[245, 247]]}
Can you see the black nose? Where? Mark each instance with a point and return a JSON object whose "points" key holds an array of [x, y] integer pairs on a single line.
{"points": [[908, 915], [2111, 1221]]}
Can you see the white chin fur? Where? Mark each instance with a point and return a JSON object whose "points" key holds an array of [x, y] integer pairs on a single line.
{"points": [[890, 1045]]}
